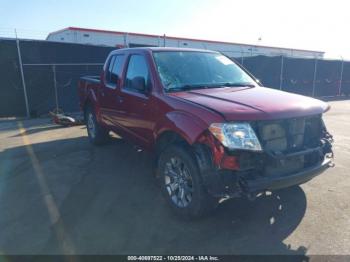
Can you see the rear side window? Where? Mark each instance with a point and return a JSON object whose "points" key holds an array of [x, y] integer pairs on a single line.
{"points": [[114, 70], [109, 69], [137, 69]]}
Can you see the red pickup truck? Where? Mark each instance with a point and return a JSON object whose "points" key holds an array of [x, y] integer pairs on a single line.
{"points": [[215, 131]]}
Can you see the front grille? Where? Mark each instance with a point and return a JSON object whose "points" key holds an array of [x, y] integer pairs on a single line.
{"points": [[281, 137], [290, 135]]}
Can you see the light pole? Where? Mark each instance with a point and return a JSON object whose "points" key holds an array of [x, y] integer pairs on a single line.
{"points": [[258, 43]]}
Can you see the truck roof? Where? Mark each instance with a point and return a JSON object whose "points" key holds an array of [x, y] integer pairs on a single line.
{"points": [[165, 49]]}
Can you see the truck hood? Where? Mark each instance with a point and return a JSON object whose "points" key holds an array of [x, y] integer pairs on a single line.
{"points": [[254, 103]]}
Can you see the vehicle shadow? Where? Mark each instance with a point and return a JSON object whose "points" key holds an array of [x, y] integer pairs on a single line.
{"points": [[109, 203], [36, 130]]}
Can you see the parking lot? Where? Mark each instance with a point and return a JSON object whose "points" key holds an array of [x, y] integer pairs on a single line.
{"points": [[59, 194]]}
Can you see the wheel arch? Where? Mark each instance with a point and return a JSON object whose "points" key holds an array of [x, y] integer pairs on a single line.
{"points": [[180, 124], [91, 102], [168, 137]]}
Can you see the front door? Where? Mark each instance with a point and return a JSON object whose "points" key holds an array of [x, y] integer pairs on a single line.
{"points": [[138, 111]]}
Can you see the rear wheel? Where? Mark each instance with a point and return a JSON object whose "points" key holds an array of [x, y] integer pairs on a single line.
{"points": [[182, 184], [97, 134]]}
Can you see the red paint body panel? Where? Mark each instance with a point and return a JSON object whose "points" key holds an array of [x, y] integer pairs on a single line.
{"points": [[256, 103], [143, 118]]}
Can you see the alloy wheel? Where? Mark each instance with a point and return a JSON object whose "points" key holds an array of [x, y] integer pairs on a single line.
{"points": [[91, 125], [178, 182]]}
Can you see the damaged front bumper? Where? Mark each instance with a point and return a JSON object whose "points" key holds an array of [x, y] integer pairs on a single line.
{"points": [[272, 183], [228, 183], [225, 183], [287, 159]]}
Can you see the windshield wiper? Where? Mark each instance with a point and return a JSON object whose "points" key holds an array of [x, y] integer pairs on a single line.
{"points": [[187, 87], [205, 86], [238, 84]]}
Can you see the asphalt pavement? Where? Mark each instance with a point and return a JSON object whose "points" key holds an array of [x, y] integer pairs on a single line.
{"points": [[61, 195]]}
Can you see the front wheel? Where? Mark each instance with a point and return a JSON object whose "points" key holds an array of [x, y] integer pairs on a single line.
{"points": [[182, 184], [97, 134]]}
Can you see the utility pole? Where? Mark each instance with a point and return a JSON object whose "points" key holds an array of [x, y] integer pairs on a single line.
{"points": [[125, 40], [55, 86], [341, 76], [22, 75], [281, 73], [314, 81]]}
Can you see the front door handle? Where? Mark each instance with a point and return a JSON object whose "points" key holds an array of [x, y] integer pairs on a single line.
{"points": [[120, 99]]}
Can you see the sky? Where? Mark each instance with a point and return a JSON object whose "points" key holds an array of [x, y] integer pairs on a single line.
{"points": [[305, 24]]}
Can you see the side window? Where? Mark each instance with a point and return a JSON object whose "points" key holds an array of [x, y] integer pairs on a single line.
{"points": [[137, 76], [117, 68], [114, 70], [109, 69]]}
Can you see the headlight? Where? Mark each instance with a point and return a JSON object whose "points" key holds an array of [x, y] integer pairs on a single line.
{"points": [[236, 135]]}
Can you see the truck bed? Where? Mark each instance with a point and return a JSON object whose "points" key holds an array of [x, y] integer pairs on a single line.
{"points": [[95, 79], [87, 84]]}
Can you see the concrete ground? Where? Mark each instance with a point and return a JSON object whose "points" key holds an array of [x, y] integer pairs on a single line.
{"points": [[59, 194]]}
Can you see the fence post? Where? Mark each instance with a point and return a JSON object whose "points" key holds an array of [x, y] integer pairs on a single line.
{"points": [[55, 86], [314, 80], [281, 73], [22, 76], [341, 76]]}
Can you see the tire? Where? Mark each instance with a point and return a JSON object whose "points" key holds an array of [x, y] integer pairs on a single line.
{"points": [[97, 134], [184, 192]]}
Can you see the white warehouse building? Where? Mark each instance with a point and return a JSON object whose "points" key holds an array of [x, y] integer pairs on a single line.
{"points": [[125, 39]]}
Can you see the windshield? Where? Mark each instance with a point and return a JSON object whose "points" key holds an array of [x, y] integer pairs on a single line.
{"points": [[186, 70]]}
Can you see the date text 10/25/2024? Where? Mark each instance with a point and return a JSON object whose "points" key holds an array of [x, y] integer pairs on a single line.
{"points": [[173, 258]]}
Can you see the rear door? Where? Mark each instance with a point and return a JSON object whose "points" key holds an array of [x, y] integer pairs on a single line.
{"points": [[110, 88]]}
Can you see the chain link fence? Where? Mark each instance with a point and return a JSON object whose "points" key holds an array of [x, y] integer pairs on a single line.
{"points": [[54, 86], [39, 76], [307, 76]]}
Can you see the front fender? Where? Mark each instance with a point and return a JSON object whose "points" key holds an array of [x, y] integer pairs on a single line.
{"points": [[187, 125]]}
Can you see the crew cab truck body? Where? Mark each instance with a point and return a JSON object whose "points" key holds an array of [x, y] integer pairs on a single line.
{"points": [[215, 131]]}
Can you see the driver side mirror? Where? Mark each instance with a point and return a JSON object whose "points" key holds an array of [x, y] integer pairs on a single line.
{"points": [[139, 83]]}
